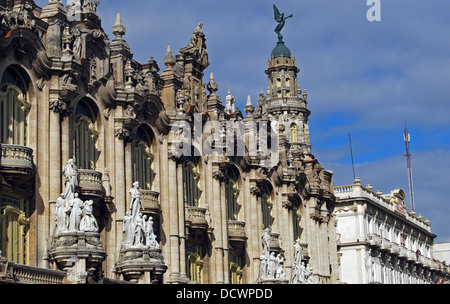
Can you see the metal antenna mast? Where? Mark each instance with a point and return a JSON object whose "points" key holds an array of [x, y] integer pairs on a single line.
{"points": [[407, 138], [351, 153]]}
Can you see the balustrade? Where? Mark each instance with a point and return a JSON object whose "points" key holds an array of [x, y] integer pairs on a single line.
{"points": [[236, 231], [19, 273], [16, 157], [196, 218], [90, 183]]}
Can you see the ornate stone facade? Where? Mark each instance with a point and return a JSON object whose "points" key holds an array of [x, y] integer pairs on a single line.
{"points": [[211, 178]]}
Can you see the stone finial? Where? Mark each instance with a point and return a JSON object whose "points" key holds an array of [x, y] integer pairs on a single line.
{"points": [[169, 60], [212, 85], [118, 29], [249, 108]]}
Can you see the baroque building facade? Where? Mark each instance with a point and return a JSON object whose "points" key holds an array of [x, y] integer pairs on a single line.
{"points": [[382, 242], [222, 188]]}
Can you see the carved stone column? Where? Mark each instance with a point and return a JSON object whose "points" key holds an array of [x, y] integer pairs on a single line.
{"points": [[176, 275], [218, 178]]}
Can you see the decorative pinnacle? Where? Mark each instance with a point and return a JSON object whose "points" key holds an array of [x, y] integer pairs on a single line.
{"points": [[118, 29], [249, 108], [169, 60], [249, 101], [212, 85]]}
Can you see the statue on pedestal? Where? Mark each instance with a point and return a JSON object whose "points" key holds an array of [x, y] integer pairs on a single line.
{"points": [[137, 230], [281, 19], [272, 266], [72, 214]]}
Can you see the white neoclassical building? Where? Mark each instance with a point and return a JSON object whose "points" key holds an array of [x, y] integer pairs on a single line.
{"points": [[381, 242]]}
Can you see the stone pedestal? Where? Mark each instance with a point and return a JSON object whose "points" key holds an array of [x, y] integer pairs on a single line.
{"points": [[141, 264], [274, 281], [79, 253]]}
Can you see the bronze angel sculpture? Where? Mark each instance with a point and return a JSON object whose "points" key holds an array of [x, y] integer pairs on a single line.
{"points": [[281, 19]]}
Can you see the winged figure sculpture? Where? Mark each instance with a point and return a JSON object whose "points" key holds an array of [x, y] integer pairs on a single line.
{"points": [[281, 19]]}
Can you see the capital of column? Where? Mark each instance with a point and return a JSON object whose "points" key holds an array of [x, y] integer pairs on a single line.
{"points": [[59, 106]]}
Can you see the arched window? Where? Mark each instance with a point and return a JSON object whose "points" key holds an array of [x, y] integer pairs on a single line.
{"points": [[14, 209], [190, 184], [231, 195], [143, 158], [86, 135], [294, 133], [266, 206], [14, 108]]}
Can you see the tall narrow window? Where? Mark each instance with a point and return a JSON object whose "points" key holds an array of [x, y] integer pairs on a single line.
{"points": [[266, 206], [231, 195], [86, 135], [294, 133], [190, 184], [14, 224], [14, 108], [144, 158], [296, 217], [236, 265], [194, 262]]}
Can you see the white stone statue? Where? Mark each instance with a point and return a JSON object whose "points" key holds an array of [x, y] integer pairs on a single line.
{"points": [[266, 242], [263, 267], [309, 275], [303, 273], [298, 252], [139, 231], [280, 273], [76, 213], [70, 173], [128, 229], [136, 203], [150, 237], [88, 223], [296, 267], [61, 222], [272, 266]]}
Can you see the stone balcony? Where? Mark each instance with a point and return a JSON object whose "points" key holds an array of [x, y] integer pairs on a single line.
{"points": [[385, 244], [411, 256], [275, 242], [305, 253], [150, 201], [90, 184], [236, 232], [395, 248], [14, 273], [196, 219], [16, 165], [374, 240], [403, 252]]}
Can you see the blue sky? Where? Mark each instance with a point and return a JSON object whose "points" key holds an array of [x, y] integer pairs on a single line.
{"points": [[363, 78]]}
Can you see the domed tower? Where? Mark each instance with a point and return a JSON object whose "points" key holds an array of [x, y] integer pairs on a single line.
{"points": [[285, 101]]}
